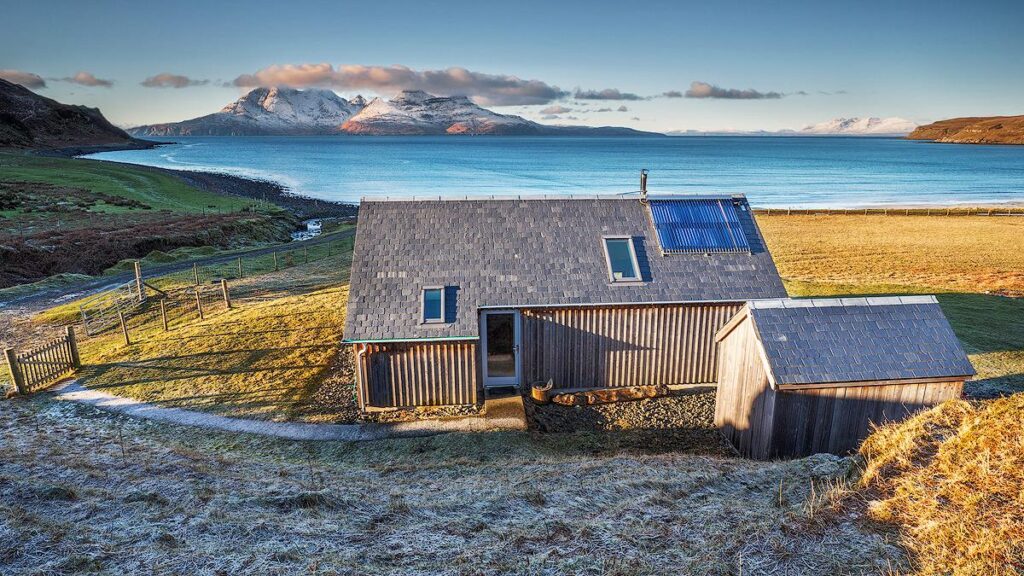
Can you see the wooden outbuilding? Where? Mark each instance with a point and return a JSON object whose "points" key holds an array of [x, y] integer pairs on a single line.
{"points": [[798, 377]]}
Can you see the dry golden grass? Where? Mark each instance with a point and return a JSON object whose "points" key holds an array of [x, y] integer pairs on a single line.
{"points": [[265, 358], [897, 253], [953, 479]]}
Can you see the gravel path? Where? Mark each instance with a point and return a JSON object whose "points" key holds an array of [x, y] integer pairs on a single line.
{"points": [[503, 415]]}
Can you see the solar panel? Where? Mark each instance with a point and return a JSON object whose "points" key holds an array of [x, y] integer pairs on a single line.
{"points": [[698, 225]]}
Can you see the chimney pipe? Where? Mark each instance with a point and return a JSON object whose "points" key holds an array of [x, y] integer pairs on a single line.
{"points": [[643, 185]]}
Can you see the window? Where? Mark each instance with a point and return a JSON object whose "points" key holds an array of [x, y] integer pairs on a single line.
{"points": [[622, 265], [433, 305]]}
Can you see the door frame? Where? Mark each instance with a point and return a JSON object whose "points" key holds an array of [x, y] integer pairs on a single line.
{"points": [[517, 349]]}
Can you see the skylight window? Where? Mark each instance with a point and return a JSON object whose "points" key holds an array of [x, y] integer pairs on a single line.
{"points": [[621, 256], [433, 305], [703, 226]]}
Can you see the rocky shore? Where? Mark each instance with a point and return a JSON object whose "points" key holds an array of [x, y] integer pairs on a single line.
{"points": [[262, 190]]}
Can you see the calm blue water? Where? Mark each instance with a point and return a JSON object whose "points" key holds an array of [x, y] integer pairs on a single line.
{"points": [[795, 172]]}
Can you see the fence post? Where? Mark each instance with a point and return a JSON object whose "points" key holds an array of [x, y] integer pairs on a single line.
{"points": [[275, 261], [124, 328], [16, 375], [76, 361], [195, 273], [199, 304], [224, 292], [138, 281], [163, 313], [239, 267]]}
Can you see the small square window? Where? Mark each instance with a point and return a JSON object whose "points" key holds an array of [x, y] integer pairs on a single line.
{"points": [[433, 305], [621, 256]]}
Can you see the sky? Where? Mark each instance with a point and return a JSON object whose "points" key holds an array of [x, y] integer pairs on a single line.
{"points": [[658, 66]]}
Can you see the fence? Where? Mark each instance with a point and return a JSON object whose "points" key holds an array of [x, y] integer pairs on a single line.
{"points": [[245, 266], [959, 211], [44, 364]]}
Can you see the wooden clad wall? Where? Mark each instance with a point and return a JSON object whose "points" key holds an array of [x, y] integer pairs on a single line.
{"points": [[837, 419], [745, 403], [407, 374], [621, 346]]}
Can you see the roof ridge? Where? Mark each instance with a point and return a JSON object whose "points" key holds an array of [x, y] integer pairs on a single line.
{"points": [[523, 197], [845, 302]]}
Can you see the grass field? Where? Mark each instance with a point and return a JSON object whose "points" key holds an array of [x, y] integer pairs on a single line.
{"points": [[61, 216], [156, 190], [882, 254], [85, 492]]}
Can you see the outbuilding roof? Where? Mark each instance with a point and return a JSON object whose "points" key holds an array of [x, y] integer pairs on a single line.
{"points": [[835, 340], [529, 251]]}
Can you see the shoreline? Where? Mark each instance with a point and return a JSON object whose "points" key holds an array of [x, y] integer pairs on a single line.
{"points": [[219, 183]]}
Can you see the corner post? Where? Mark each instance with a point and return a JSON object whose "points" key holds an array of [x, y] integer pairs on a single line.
{"points": [[16, 375], [138, 282], [224, 293], [76, 360]]}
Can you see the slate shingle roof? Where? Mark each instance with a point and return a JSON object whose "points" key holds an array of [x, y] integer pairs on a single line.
{"points": [[521, 252], [858, 339]]}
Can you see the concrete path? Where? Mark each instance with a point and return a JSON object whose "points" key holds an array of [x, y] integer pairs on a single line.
{"points": [[502, 414]]}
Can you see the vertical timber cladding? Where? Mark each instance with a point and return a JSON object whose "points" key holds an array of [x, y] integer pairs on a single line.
{"points": [[404, 374], [622, 346]]}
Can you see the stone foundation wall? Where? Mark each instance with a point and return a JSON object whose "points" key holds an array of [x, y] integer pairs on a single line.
{"points": [[692, 409]]}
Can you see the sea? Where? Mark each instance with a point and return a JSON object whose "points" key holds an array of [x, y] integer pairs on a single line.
{"points": [[795, 172]]}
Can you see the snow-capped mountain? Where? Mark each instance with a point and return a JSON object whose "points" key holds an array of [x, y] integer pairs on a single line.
{"points": [[286, 111], [416, 112], [862, 127], [267, 111]]}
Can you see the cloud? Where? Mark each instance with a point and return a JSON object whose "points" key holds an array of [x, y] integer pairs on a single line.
{"points": [[87, 79], [672, 94], [827, 93], [606, 94], [705, 90], [26, 79], [485, 89], [622, 109], [555, 110], [167, 80]]}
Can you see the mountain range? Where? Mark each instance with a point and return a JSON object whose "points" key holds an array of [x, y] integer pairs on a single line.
{"points": [[28, 120], [855, 126], [974, 130], [287, 111]]}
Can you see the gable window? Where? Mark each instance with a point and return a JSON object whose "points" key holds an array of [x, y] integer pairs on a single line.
{"points": [[433, 304], [621, 256]]}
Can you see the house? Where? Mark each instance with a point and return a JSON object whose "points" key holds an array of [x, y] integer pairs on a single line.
{"points": [[451, 299], [798, 377]]}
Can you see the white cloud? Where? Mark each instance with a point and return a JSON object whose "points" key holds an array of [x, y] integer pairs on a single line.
{"points": [[705, 90], [167, 80], [485, 89], [26, 79], [606, 94], [87, 79]]}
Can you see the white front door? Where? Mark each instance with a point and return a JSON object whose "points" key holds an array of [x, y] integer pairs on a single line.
{"points": [[499, 345]]}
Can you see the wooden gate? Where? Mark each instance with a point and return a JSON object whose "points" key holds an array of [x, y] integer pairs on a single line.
{"points": [[44, 364]]}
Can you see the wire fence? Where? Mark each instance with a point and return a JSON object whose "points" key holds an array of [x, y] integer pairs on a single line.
{"points": [[244, 266], [922, 211]]}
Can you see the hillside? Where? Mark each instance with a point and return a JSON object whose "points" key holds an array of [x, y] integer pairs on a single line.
{"points": [[287, 111], [28, 120], [973, 130]]}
